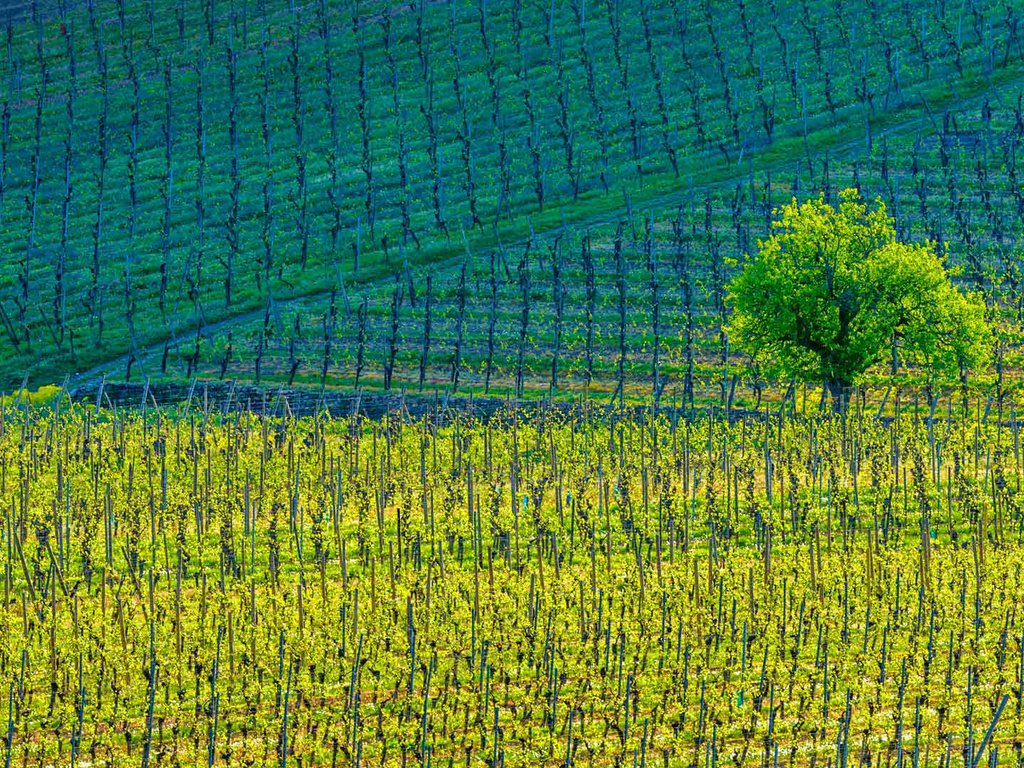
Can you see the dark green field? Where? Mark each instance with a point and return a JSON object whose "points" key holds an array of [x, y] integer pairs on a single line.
{"points": [[259, 191]]}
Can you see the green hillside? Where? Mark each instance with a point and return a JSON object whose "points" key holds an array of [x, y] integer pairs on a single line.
{"points": [[260, 190]]}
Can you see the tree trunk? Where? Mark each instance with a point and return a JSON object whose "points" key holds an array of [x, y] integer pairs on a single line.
{"points": [[836, 390]]}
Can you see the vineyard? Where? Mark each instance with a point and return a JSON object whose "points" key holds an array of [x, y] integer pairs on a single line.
{"points": [[511, 383], [199, 588], [509, 197]]}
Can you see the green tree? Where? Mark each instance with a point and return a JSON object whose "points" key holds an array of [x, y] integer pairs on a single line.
{"points": [[833, 292]]}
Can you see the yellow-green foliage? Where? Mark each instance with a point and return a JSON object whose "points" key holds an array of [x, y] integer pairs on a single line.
{"points": [[240, 576], [43, 396]]}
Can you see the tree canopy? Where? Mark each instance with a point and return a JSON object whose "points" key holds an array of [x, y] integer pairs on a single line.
{"points": [[833, 292]]}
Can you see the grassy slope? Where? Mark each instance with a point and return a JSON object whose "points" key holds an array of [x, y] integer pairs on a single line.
{"points": [[979, 220], [957, 67]]}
